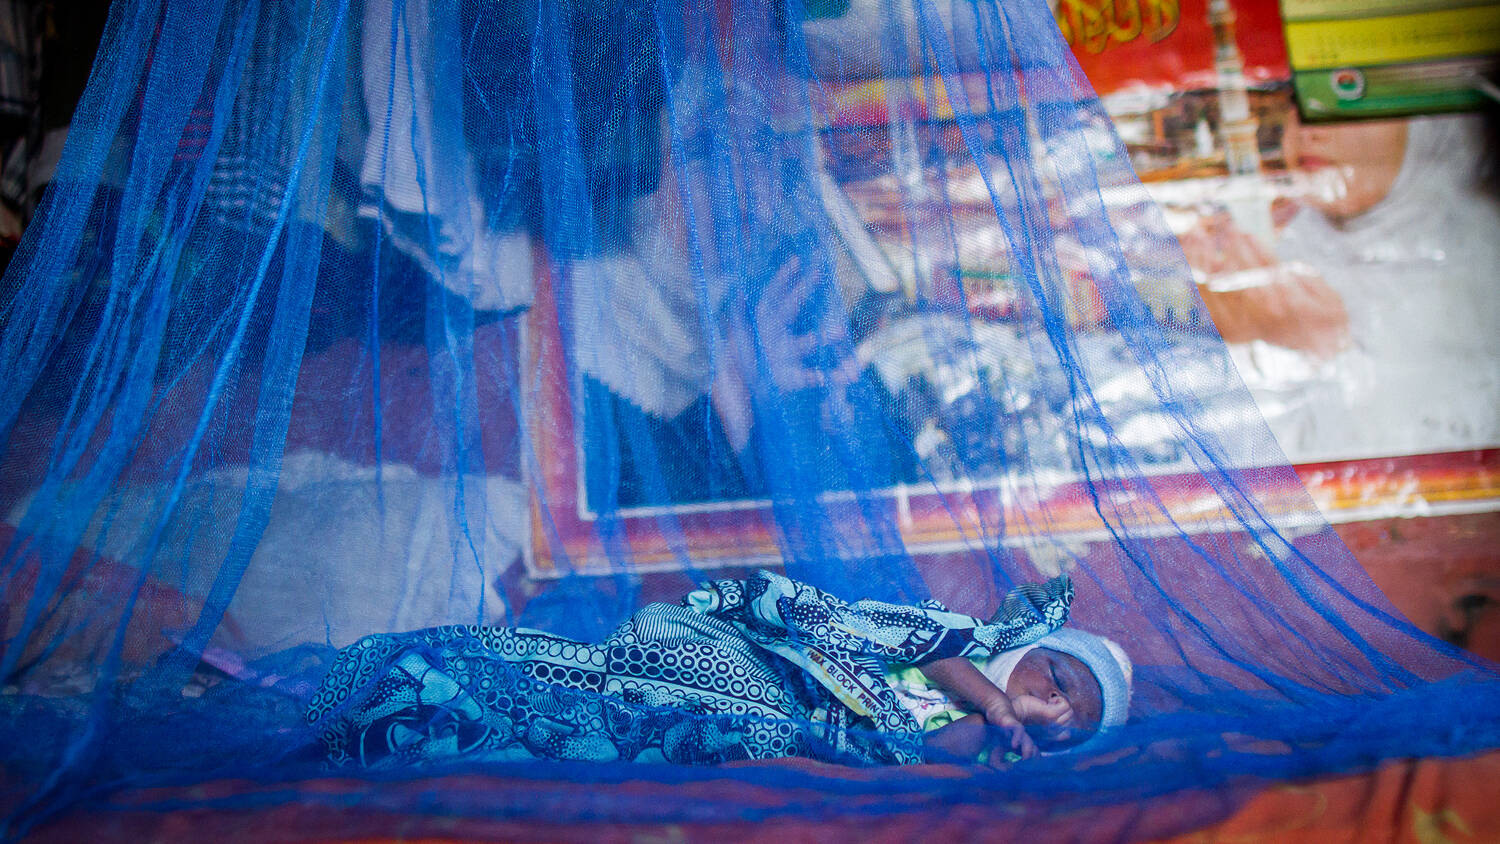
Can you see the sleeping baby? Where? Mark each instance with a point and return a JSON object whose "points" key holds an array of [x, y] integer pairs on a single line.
{"points": [[761, 668]]}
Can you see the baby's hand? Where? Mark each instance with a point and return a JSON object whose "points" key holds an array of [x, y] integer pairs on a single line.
{"points": [[1000, 715], [1033, 710]]}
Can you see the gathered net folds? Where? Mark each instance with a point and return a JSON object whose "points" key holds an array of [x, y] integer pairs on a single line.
{"points": [[355, 319]]}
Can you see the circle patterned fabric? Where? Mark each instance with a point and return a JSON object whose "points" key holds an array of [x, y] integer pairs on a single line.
{"points": [[754, 669]]}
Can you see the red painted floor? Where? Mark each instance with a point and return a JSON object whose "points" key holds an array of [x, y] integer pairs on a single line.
{"points": [[1442, 572]]}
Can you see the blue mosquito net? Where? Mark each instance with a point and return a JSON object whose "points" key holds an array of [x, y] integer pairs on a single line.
{"points": [[516, 322]]}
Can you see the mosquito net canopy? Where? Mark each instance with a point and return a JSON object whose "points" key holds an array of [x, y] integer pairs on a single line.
{"points": [[627, 387]]}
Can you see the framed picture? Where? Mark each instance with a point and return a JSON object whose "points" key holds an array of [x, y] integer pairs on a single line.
{"points": [[568, 536], [1023, 478]]}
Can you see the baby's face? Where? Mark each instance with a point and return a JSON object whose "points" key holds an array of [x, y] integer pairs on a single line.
{"points": [[1069, 701]]}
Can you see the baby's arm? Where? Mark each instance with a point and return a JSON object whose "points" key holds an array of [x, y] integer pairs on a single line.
{"points": [[958, 743], [967, 685], [967, 740], [962, 681]]}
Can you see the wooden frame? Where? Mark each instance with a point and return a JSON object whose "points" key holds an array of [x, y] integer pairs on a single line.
{"points": [[566, 537]]}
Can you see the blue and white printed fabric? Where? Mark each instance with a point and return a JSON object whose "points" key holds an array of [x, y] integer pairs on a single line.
{"points": [[749, 669]]}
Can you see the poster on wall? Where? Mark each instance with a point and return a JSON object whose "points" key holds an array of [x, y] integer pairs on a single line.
{"points": [[1349, 267]]}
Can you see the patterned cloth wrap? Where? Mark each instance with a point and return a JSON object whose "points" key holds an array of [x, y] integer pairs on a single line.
{"points": [[760, 668]]}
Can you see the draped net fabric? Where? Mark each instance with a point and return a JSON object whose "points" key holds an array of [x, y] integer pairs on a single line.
{"points": [[347, 318]]}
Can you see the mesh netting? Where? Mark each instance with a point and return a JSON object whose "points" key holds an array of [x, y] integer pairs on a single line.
{"points": [[472, 336]]}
